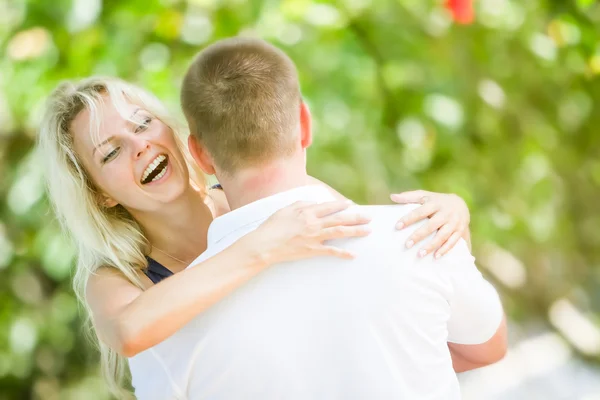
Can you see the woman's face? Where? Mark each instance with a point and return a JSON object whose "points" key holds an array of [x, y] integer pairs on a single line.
{"points": [[135, 164]]}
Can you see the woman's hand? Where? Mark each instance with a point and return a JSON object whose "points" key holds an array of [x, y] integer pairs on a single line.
{"points": [[448, 215], [300, 230]]}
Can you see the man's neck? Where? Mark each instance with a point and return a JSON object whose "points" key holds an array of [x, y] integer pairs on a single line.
{"points": [[252, 184]]}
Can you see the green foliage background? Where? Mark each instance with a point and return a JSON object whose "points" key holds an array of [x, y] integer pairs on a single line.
{"points": [[504, 112]]}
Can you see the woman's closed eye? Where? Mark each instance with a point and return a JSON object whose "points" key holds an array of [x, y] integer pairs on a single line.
{"points": [[110, 155], [144, 125]]}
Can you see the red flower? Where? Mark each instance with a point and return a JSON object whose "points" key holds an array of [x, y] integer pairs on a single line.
{"points": [[462, 10]]}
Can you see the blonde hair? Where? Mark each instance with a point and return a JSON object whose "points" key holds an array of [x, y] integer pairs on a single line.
{"points": [[242, 99], [103, 236]]}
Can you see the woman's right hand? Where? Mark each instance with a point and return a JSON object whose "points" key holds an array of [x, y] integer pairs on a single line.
{"points": [[300, 231]]}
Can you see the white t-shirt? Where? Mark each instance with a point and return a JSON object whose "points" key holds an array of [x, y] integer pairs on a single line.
{"points": [[375, 327]]}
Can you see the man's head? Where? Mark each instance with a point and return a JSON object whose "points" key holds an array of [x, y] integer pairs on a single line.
{"points": [[242, 100]]}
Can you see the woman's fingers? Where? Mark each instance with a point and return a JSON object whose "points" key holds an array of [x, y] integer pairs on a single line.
{"points": [[440, 238], [434, 223], [450, 243], [323, 209], [447, 211], [341, 232], [335, 252], [414, 196], [416, 215], [344, 219]]}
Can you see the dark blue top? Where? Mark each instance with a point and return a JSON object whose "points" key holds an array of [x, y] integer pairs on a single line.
{"points": [[155, 270]]}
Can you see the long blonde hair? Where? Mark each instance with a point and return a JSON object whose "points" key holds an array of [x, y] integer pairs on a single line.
{"points": [[103, 236]]}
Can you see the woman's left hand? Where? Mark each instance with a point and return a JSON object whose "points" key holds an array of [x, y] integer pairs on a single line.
{"points": [[448, 215]]}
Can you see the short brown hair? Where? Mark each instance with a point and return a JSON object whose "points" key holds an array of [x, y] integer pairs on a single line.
{"points": [[242, 99]]}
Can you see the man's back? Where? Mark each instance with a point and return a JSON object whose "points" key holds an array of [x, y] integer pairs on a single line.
{"points": [[375, 327]]}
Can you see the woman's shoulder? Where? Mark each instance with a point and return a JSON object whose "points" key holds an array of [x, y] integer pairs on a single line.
{"points": [[218, 198], [106, 271], [109, 277]]}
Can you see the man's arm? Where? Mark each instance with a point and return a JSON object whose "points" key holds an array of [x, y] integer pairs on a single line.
{"points": [[467, 357], [477, 334]]}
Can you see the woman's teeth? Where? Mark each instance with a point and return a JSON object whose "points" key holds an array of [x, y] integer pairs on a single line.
{"points": [[152, 169], [160, 175]]}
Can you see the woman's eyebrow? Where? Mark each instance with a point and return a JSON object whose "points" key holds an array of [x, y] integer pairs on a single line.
{"points": [[133, 114], [112, 137], [102, 144]]}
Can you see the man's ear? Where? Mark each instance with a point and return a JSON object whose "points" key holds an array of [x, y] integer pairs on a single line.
{"points": [[200, 155], [305, 126]]}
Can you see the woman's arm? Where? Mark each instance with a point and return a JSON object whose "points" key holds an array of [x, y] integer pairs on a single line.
{"points": [[131, 320]]}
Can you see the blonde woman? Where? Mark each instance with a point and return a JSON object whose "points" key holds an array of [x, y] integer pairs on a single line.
{"points": [[122, 185]]}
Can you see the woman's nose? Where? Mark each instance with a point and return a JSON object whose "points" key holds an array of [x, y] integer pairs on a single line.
{"points": [[142, 146]]}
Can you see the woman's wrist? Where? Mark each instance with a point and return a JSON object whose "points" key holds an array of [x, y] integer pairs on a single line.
{"points": [[256, 257]]}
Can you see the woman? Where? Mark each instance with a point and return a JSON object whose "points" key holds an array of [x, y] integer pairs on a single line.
{"points": [[133, 231]]}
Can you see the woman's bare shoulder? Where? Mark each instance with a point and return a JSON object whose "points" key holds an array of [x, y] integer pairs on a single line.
{"points": [[107, 280], [221, 206], [110, 272]]}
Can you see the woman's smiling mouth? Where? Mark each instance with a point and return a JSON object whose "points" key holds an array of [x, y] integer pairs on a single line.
{"points": [[156, 169]]}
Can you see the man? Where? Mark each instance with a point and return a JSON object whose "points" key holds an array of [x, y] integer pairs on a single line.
{"points": [[386, 325]]}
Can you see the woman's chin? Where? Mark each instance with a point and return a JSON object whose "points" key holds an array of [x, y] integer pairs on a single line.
{"points": [[168, 187]]}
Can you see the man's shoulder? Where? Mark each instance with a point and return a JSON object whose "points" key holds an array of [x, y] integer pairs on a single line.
{"points": [[384, 215], [383, 224], [385, 210]]}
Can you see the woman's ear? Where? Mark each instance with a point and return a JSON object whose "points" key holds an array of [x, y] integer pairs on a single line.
{"points": [[305, 126], [200, 155], [107, 202]]}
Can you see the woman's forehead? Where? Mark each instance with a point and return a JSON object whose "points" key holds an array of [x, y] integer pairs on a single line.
{"points": [[119, 109], [105, 117]]}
